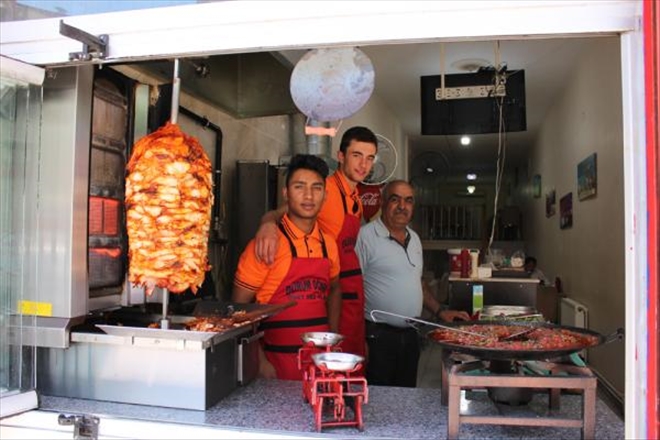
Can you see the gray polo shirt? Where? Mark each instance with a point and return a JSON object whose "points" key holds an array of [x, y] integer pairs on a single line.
{"points": [[392, 273]]}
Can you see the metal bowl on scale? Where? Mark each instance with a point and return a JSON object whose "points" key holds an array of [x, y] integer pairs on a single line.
{"points": [[337, 360], [322, 339]]}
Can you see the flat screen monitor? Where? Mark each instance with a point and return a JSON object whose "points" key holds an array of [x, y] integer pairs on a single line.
{"points": [[473, 115]]}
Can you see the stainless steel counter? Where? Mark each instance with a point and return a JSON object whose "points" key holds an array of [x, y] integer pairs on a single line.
{"points": [[174, 368]]}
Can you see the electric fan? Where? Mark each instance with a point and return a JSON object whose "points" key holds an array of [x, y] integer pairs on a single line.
{"points": [[385, 163]]}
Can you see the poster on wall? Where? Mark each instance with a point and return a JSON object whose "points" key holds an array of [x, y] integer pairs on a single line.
{"points": [[550, 204], [587, 177], [536, 186], [566, 211]]}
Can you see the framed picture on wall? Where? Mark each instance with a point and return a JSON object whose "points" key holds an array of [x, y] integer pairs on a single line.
{"points": [[566, 211], [587, 177], [550, 203], [536, 186]]}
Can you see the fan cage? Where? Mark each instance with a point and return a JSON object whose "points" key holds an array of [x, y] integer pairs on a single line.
{"points": [[385, 164]]}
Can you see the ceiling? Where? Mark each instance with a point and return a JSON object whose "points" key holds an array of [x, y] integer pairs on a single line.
{"points": [[547, 64], [398, 67]]}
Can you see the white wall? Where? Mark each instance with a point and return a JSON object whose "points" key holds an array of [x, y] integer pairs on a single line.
{"points": [[380, 119], [270, 138], [589, 257], [265, 138]]}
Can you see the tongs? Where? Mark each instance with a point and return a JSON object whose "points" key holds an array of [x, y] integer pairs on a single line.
{"points": [[408, 319]]}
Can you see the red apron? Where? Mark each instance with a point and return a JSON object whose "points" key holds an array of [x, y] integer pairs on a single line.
{"points": [[351, 323], [308, 283]]}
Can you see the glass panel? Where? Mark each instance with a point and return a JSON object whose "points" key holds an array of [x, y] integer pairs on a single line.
{"points": [[17, 10], [20, 119]]}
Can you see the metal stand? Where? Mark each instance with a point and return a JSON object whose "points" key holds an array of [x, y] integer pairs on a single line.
{"points": [[176, 90], [457, 376], [174, 115], [165, 321], [329, 391], [85, 427]]}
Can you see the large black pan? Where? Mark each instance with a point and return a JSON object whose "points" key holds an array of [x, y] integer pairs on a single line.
{"points": [[498, 353]]}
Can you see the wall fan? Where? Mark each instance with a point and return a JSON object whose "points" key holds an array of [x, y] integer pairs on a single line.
{"points": [[385, 163]]}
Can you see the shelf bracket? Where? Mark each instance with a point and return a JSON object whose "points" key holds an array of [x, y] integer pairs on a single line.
{"points": [[93, 47]]}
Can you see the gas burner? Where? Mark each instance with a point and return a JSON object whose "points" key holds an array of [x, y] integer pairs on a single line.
{"points": [[462, 372]]}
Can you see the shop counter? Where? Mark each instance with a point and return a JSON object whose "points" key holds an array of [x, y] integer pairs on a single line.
{"points": [[276, 409]]}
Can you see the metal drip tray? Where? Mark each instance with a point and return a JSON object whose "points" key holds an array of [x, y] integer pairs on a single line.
{"points": [[131, 328], [144, 336], [145, 332]]}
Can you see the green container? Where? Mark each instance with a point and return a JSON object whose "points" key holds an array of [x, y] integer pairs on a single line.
{"points": [[477, 298]]}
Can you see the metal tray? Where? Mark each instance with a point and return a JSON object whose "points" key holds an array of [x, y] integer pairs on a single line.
{"points": [[145, 332], [524, 354], [507, 310], [337, 360], [254, 313], [251, 311], [322, 339]]}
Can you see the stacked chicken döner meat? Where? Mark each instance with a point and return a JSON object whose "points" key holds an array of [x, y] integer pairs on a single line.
{"points": [[168, 211]]}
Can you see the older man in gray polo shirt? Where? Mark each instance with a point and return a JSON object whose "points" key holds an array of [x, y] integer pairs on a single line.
{"points": [[391, 260]]}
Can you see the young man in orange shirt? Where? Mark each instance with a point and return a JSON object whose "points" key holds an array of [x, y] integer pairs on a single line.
{"points": [[340, 217], [305, 269]]}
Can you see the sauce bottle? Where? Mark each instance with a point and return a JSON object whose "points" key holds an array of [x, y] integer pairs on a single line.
{"points": [[465, 263]]}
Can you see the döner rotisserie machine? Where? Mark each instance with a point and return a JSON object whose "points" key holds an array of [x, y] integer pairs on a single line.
{"points": [[79, 278]]}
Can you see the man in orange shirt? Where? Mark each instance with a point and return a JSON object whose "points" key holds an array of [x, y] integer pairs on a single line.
{"points": [[340, 217], [305, 269]]}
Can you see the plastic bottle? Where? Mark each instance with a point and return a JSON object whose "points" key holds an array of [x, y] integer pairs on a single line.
{"points": [[465, 263], [477, 299], [474, 263]]}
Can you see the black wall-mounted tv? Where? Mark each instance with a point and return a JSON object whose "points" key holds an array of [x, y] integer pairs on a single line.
{"points": [[474, 115]]}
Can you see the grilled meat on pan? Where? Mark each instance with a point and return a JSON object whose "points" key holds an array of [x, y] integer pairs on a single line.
{"points": [[168, 211]]}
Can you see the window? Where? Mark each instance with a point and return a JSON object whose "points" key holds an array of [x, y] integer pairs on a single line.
{"points": [[20, 117]]}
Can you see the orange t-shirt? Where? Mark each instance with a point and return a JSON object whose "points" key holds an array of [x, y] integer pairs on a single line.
{"points": [[258, 277], [331, 217]]}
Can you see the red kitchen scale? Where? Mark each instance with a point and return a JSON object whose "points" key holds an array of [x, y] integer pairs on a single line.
{"points": [[332, 381]]}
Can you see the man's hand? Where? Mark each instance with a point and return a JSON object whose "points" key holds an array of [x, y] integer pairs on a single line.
{"points": [[450, 315], [265, 243], [266, 370]]}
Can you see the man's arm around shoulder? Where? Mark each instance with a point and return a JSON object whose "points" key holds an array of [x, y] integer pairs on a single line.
{"points": [[266, 240]]}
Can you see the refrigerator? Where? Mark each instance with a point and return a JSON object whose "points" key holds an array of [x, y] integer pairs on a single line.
{"points": [[258, 190]]}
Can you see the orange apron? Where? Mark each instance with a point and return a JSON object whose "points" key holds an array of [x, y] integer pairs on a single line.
{"points": [[351, 324], [308, 283]]}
